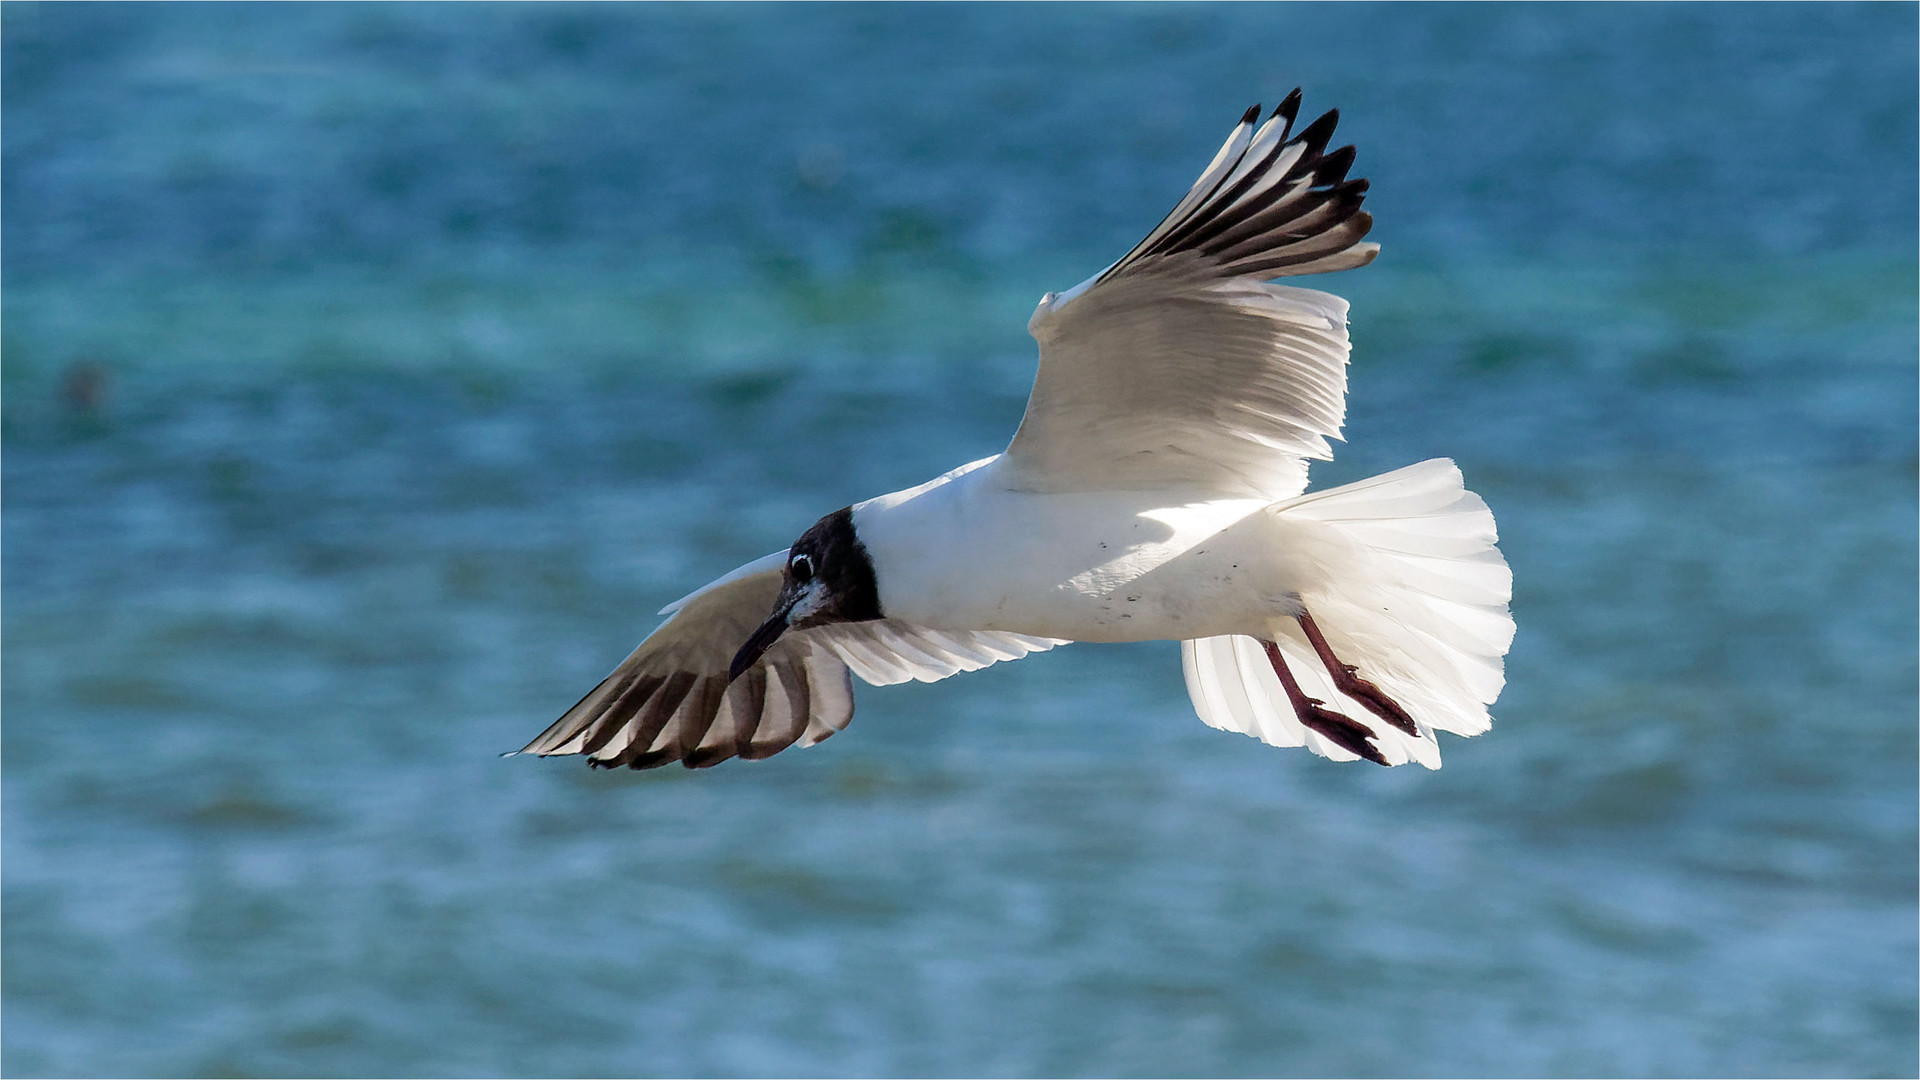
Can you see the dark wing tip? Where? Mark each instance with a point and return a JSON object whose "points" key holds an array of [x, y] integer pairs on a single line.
{"points": [[1333, 167], [1363, 222], [1268, 225], [708, 757], [1289, 108], [1316, 134]]}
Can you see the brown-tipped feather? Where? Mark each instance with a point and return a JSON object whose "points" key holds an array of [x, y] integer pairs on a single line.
{"points": [[615, 714], [769, 740], [561, 731], [747, 699], [659, 709], [652, 759], [697, 715]]}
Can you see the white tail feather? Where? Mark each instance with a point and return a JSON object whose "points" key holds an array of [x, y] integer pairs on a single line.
{"points": [[1411, 590]]}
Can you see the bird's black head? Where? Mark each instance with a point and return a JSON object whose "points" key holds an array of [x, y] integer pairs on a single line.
{"points": [[828, 578]]}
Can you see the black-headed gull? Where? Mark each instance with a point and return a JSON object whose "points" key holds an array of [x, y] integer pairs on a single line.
{"points": [[1152, 492]]}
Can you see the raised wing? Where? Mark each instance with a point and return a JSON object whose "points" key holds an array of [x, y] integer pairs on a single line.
{"points": [[670, 701], [1176, 367]]}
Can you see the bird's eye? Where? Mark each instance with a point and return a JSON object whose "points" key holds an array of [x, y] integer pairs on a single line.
{"points": [[802, 568]]}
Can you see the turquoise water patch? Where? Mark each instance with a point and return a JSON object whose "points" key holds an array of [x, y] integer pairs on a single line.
{"points": [[373, 374]]}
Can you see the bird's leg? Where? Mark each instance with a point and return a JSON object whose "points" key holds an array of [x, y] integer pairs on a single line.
{"points": [[1343, 730], [1351, 684]]}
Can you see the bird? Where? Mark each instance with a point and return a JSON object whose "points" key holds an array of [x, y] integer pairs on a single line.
{"points": [[1155, 489]]}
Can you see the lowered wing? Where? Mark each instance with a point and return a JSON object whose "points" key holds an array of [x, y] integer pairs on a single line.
{"points": [[670, 700]]}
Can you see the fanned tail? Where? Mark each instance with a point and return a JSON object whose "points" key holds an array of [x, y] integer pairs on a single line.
{"points": [[1414, 596]]}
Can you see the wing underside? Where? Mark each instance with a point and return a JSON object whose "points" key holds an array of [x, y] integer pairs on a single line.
{"points": [[1177, 366], [670, 699]]}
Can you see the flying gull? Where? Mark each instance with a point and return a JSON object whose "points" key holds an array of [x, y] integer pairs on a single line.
{"points": [[1152, 492]]}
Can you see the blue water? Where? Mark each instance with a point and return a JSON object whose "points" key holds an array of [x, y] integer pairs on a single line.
{"points": [[372, 373]]}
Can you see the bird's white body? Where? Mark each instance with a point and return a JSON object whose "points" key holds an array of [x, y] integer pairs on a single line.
{"points": [[1152, 492], [967, 551]]}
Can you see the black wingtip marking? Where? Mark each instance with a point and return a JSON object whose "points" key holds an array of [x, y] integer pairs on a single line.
{"points": [[1290, 107], [1266, 225], [1333, 168], [1316, 134], [709, 756]]}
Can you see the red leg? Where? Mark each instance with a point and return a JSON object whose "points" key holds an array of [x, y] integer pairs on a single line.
{"points": [[1352, 685], [1343, 730]]}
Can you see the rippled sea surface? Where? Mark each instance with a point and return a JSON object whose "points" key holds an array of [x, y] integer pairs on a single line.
{"points": [[373, 373]]}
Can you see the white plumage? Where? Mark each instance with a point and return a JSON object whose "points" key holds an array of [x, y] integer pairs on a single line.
{"points": [[1414, 593], [1151, 492]]}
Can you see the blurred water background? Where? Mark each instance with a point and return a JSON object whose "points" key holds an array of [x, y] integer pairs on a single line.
{"points": [[373, 373]]}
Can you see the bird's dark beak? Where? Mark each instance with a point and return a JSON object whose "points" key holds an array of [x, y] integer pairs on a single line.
{"points": [[760, 642]]}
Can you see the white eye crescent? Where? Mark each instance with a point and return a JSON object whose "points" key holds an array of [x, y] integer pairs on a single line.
{"points": [[801, 568]]}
